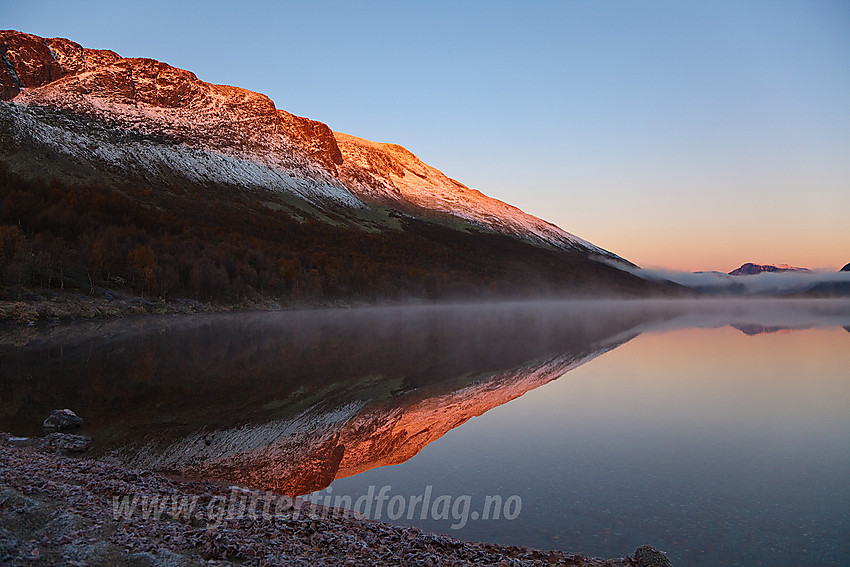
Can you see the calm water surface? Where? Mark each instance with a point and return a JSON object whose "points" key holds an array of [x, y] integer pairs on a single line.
{"points": [[718, 447], [719, 433]]}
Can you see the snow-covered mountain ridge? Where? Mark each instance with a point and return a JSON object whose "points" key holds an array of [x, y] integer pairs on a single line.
{"points": [[153, 119], [393, 176]]}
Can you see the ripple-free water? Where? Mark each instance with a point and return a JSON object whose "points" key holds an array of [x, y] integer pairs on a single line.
{"points": [[718, 432], [717, 446]]}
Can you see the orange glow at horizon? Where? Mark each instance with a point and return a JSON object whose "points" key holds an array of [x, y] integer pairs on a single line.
{"points": [[724, 251], [696, 221]]}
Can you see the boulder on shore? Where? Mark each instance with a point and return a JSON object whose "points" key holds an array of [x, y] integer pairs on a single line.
{"points": [[62, 420], [648, 556]]}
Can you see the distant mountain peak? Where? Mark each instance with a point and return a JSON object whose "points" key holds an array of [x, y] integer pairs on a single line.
{"points": [[750, 269]]}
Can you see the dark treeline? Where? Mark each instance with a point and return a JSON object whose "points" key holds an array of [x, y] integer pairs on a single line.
{"points": [[223, 245]]}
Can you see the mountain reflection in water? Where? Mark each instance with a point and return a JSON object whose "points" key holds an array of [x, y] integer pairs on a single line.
{"points": [[291, 401]]}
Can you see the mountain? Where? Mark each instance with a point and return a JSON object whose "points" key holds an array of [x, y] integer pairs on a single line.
{"points": [[150, 119], [845, 268], [750, 269], [266, 147], [268, 203]]}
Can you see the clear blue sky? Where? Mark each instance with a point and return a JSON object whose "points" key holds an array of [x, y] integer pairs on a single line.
{"points": [[690, 135]]}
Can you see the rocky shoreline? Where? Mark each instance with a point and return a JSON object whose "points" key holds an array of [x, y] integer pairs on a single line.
{"points": [[61, 509], [55, 306]]}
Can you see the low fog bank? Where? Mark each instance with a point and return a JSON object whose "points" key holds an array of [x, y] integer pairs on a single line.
{"points": [[660, 315], [522, 320], [765, 283], [750, 312]]}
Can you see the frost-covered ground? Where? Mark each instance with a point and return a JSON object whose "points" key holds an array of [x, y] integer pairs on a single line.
{"points": [[59, 510]]}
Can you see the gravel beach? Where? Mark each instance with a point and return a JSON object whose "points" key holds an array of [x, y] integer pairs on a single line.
{"points": [[57, 509]]}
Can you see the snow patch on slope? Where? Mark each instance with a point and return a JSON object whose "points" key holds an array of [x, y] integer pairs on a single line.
{"points": [[149, 157], [151, 98]]}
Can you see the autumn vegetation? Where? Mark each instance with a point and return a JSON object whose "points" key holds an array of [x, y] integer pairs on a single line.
{"points": [[221, 245]]}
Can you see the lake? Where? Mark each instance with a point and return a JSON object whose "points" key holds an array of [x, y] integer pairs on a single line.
{"points": [[718, 431]]}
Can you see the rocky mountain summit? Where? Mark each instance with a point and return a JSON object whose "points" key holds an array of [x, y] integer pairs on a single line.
{"points": [[148, 117]]}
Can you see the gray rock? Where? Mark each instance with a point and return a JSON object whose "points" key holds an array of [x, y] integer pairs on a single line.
{"points": [[8, 544], [62, 420], [85, 554], [68, 443], [163, 558], [14, 500], [60, 524], [648, 556]]}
